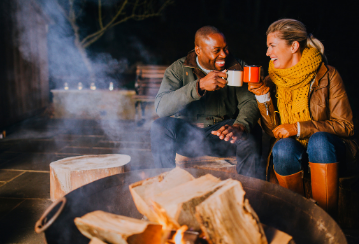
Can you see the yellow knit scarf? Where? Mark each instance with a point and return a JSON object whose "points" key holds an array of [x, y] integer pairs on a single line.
{"points": [[293, 86]]}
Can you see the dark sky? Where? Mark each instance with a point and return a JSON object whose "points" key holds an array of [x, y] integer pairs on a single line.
{"points": [[162, 40], [244, 22]]}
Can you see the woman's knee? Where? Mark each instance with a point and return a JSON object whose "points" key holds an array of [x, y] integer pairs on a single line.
{"points": [[321, 148], [319, 140], [287, 155], [284, 148]]}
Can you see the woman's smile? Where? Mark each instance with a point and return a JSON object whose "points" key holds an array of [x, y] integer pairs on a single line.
{"points": [[282, 54]]}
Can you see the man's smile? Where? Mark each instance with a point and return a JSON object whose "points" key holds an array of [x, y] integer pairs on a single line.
{"points": [[221, 63]]}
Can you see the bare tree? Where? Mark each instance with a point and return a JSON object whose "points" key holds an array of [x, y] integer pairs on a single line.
{"points": [[125, 10]]}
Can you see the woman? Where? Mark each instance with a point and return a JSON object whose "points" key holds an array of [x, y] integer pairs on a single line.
{"points": [[315, 119]]}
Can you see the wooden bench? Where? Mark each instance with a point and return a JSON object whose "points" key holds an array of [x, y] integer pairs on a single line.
{"points": [[148, 82]]}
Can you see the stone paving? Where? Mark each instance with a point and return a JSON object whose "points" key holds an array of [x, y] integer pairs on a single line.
{"points": [[29, 148]]}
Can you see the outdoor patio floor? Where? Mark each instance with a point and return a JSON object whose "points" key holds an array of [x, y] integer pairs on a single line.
{"points": [[29, 148]]}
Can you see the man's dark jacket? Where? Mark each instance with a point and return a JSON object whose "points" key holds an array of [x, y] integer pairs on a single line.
{"points": [[179, 96]]}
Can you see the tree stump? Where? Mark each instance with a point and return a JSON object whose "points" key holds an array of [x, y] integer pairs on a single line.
{"points": [[71, 173], [227, 164], [348, 212]]}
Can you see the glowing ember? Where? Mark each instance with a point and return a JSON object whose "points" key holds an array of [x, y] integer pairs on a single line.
{"points": [[178, 237]]}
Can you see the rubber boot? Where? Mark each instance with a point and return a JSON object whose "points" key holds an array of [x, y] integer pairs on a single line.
{"points": [[324, 179], [293, 182]]}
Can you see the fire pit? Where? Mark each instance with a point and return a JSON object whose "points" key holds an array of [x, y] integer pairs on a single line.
{"points": [[275, 206]]}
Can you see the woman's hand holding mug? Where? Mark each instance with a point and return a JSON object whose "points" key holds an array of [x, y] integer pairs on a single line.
{"points": [[252, 75], [258, 88]]}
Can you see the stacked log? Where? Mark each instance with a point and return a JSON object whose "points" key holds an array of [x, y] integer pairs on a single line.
{"points": [[177, 200], [113, 228]]}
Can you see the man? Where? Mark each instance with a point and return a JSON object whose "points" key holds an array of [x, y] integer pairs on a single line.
{"points": [[207, 116]]}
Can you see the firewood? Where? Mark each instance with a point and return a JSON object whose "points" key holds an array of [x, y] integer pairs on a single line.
{"points": [[95, 240], [275, 236], [226, 217], [118, 229], [178, 204], [143, 191]]}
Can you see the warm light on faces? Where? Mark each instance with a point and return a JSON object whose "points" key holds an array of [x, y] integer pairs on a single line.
{"points": [[212, 52], [284, 56]]}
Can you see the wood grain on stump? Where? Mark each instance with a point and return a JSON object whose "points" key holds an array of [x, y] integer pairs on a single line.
{"points": [[71, 173]]}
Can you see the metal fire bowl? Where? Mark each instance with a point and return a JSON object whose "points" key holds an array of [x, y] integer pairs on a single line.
{"points": [[275, 206]]}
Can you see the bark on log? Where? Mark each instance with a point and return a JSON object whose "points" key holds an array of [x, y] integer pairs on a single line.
{"points": [[118, 229], [143, 191], [226, 217], [71, 173]]}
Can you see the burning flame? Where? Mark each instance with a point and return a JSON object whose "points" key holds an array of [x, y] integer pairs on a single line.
{"points": [[178, 237], [168, 225]]}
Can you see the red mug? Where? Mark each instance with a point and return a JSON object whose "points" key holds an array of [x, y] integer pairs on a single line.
{"points": [[252, 73]]}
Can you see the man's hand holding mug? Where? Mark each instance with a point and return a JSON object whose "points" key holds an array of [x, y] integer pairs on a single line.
{"points": [[214, 80]]}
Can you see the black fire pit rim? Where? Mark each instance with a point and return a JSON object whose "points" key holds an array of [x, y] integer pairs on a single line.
{"points": [[247, 182]]}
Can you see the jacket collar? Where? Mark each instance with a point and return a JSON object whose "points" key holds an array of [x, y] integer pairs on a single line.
{"points": [[231, 62], [319, 82]]}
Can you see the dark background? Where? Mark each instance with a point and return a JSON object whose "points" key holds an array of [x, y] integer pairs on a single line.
{"points": [[169, 37], [26, 27]]}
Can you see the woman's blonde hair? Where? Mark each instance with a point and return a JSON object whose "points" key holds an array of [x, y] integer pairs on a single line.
{"points": [[293, 30]]}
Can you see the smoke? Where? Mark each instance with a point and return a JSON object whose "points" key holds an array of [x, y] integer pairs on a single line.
{"points": [[64, 58], [146, 55], [111, 112], [66, 65]]}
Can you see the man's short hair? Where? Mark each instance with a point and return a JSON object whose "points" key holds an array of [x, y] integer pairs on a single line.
{"points": [[203, 32]]}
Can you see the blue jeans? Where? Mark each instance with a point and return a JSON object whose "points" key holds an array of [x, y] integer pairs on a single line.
{"points": [[289, 155], [172, 135]]}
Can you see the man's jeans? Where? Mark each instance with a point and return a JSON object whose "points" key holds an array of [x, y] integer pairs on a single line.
{"points": [[289, 155], [172, 135]]}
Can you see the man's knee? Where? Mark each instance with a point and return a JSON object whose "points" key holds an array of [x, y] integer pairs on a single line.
{"points": [[160, 125], [160, 122], [249, 143]]}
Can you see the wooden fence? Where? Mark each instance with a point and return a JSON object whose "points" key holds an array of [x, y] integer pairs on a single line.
{"points": [[24, 79]]}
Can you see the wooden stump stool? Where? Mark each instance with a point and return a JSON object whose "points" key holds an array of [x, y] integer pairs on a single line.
{"points": [[70, 173], [227, 164], [348, 201]]}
